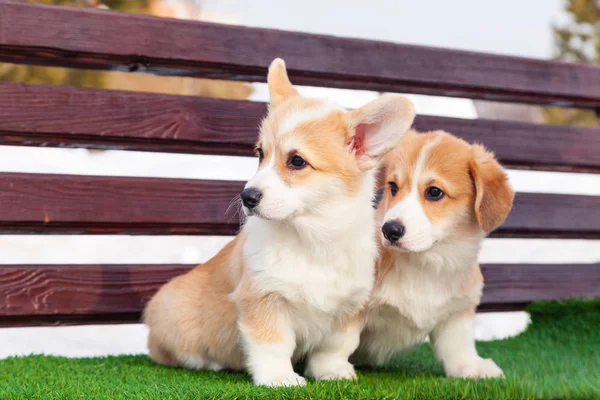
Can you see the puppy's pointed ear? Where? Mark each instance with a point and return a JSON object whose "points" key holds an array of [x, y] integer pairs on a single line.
{"points": [[377, 127], [280, 87], [494, 196]]}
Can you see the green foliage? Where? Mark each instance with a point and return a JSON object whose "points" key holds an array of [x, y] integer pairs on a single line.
{"points": [[50, 75], [579, 40], [125, 81], [576, 41], [557, 357], [121, 5], [63, 76], [75, 3]]}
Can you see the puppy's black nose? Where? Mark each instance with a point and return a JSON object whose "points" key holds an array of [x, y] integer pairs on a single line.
{"points": [[251, 197], [392, 230]]}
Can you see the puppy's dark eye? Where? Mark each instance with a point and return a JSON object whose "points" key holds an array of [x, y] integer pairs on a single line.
{"points": [[261, 154], [393, 188], [297, 162], [434, 193]]}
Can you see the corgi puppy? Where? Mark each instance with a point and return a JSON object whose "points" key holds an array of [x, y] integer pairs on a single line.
{"points": [[441, 197], [291, 285]]}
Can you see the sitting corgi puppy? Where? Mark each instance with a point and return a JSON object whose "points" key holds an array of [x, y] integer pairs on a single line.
{"points": [[441, 197], [291, 285]]}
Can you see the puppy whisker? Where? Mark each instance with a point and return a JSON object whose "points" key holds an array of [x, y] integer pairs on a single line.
{"points": [[236, 205]]}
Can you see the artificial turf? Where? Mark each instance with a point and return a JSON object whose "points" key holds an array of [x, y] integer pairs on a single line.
{"points": [[557, 357]]}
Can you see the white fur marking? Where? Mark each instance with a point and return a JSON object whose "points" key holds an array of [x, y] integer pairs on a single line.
{"points": [[270, 363], [423, 157], [454, 345], [291, 121], [410, 212], [329, 361], [196, 361]]}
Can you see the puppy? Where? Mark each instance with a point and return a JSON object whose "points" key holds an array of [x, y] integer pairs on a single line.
{"points": [[441, 197], [292, 283]]}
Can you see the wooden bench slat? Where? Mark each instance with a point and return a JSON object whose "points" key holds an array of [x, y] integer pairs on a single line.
{"points": [[69, 294], [33, 33], [555, 215], [38, 115], [98, 204], [76, 117], [523, 283], [80, 289], [104, 205]]}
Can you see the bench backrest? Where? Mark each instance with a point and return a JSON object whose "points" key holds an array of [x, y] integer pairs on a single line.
{"points": [[37, 115]]}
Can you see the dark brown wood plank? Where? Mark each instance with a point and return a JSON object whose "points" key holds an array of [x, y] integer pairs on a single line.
{"points": [[33, 33], [38, 115], [75, 294], [501, 307], [93, 204], [39, 203], [553, 214], [72, 290], [524, 283], [70, 320]]}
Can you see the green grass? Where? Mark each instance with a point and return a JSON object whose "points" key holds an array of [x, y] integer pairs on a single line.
{"points": [[557, 357]]}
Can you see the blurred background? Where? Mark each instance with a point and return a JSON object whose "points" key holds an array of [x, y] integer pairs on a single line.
{"points": [[567, 30]]}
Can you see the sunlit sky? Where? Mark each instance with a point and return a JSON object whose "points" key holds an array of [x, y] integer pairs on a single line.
{"points": [[514, 27]]}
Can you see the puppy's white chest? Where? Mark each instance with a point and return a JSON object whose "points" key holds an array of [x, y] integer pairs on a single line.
{"points": [[326, 278], [421, 296]]}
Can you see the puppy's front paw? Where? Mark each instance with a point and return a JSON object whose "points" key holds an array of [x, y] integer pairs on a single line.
{"points": [[281, 380], [331, 371], [479, 368]]}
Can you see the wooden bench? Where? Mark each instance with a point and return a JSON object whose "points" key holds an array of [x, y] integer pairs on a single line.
{"points": [[37, 115]]}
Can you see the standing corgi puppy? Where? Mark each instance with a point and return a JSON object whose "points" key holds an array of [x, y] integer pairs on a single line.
{"points": [[292, 283], [441, 197]]}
